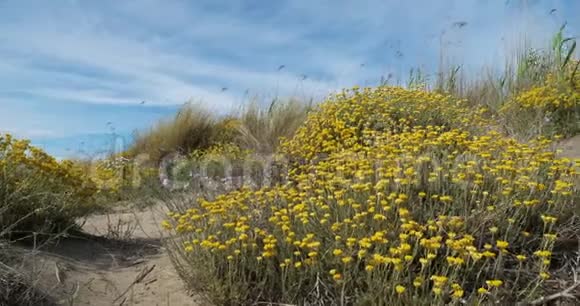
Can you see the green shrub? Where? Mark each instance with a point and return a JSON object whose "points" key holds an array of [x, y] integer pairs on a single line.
{"points": [[39, 193], [405, 207]]}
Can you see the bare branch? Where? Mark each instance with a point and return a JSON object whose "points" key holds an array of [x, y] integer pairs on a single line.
{"points": [[563, 294], [555, 296]]}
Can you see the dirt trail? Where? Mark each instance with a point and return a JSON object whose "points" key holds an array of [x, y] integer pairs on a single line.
{"points": [[570, 147], [98, 269]]}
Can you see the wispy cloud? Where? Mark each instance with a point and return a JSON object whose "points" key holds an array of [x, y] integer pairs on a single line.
{"points": [[28, 132], [64, 61]]}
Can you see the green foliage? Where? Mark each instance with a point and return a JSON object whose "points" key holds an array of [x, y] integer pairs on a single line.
{"points": [[191, 128], [255, 127], [261, 129]]}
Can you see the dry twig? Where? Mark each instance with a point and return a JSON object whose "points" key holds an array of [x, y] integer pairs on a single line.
{"points": [[137, 280]]}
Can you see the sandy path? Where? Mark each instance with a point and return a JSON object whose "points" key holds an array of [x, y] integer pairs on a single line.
{"points": [[570, 147], [94, 270], [161, 286]]}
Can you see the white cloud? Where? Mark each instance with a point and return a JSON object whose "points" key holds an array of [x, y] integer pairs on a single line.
{"points": [[150, 69], [150, 73]]}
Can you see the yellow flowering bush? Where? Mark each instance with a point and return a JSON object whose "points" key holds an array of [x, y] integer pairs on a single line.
{"points": [[553, 106], [362, 113], [411, 201], [550, 96], [217, 159], [109, 175], [38, 192], [220, 150]]}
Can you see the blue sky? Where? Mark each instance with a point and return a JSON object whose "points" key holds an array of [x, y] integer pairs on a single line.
{"points": [[69, 67]]}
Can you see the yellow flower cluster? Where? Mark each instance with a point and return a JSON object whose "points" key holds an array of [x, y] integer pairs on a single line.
{"points": [[553, 95], [548, 108], [108, 176], [21, 156], [220, 150], [362, 114], [403, 195], [34, 182]]}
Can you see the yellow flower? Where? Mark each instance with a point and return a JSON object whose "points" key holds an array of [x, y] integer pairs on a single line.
{"points": [[346, 259], [488, 254], [417, 282], [166, 224], [361, 254], [543, 253], [400, 289], [403, 212], [494, 283], [502, 244], [548, 219], [439, 281], [446, 199], [455, 261], [457, 293], [337, 252]]}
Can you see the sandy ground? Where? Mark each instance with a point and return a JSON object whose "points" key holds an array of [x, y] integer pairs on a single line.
{"points": [[98, 269], [570, 147]]}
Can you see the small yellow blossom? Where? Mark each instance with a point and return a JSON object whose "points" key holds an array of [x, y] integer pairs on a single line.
{"points": [[494, 283], [400, 289]]}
